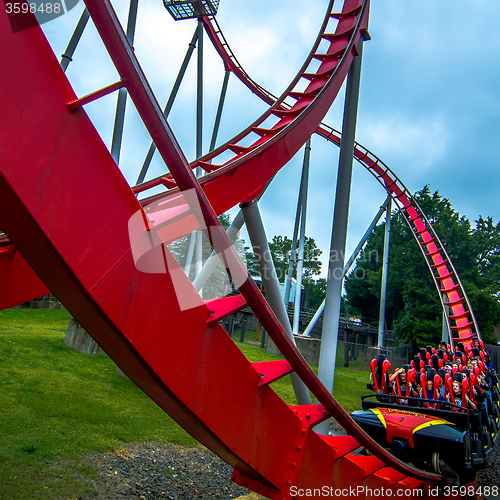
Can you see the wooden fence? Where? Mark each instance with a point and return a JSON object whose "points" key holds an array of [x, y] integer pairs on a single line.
{"points": [[494, 351]]}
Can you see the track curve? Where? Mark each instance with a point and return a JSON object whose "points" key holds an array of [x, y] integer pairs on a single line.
{"points": [[456, 305], [81, 240]]}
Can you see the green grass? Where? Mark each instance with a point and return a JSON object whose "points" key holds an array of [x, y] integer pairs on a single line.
{"points": [[58, 405]]}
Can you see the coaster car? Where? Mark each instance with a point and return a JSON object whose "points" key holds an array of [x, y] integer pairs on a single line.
{"points": [[429, 442], [420, 420]]}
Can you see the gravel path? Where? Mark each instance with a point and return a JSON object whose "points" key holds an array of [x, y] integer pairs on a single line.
{"points": [[161, 471], [490, 476], [173, 472]]}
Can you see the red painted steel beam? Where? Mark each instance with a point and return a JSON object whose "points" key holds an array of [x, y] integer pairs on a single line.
{"points": [[19, 283], [59, 218], [131, 74]]}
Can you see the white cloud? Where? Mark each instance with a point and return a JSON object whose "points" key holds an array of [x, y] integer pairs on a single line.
{"points": [[419, 142]]}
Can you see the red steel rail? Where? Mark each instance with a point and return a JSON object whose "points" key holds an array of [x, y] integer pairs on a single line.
{"points": [[74, 233]]}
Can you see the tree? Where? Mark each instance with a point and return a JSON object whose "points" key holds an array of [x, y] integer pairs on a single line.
{"points": [[315, 292], [486, 236], [413, 308], [281, 250]]}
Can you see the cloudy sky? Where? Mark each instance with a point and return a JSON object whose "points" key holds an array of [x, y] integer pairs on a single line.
{"points": [[429, 104]]}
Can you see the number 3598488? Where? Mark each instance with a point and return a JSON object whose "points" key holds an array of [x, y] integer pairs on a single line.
{"points": [[24, 8]]}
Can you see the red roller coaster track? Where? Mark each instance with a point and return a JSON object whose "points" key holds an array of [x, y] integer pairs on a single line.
{"points": [[459, 315], [66, 207]]}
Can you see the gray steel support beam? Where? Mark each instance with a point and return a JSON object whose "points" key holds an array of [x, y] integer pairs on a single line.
{"points": [[220, 107], [258, 238], [445, 337], [199, 92], [385, 268], [170, 102], [326, 371], [198, 257], [209, 266], [189, 256], [349, 263], [291, 263], [300, 258], [116, 142], [67, 57]]}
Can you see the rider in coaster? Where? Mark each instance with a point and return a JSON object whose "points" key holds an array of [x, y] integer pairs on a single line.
{"points": [[399, 381], [457, 394], [427, 392]]}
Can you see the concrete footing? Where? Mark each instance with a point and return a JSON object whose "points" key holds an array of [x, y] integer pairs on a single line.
{"points": [[79, 340], [308, 346]]}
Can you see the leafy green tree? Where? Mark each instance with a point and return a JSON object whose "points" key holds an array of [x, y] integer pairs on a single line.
{"points": [[251, 263], [281, 249], [315, 292], [486, 237]]}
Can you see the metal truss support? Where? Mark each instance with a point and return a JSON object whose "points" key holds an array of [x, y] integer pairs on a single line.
{"points": [[189, 256], [291, 263], [218, 116], [232, 231], [236, 225], [116, 142], [67, 57], [445, 337], [198, 249], [170, 102]]}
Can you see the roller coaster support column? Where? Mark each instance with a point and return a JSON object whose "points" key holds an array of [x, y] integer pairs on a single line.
{"points": [[350, 262], [67, 57], [204, 273], [219, 109], [258, 238], [170, 102], [383, 287], [446, 327], [291, 263], [199, 139], [300, 260], [189, 256], [331, 318], [116, 142]]}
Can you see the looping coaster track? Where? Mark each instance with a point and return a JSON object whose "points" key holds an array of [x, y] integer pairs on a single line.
{"points": [[82, 233]]}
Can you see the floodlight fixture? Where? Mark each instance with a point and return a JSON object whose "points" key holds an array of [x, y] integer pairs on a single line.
{"points": [[186, 9]]}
